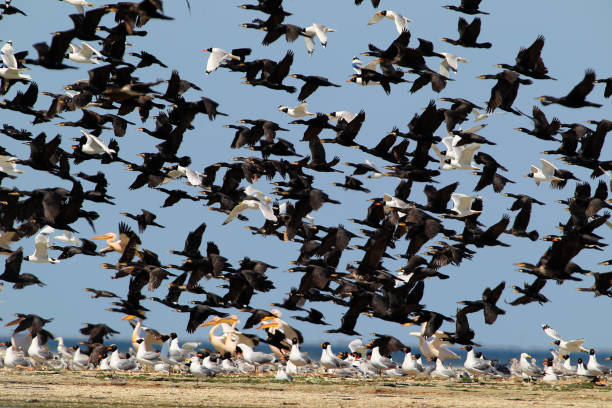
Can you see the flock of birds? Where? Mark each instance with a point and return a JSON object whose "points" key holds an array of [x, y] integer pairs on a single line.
{"points": [[366, 287]]}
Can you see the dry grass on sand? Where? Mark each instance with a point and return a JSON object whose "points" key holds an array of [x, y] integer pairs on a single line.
{"points": [[100, 389]]}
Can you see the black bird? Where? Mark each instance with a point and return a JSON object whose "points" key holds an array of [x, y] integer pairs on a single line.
{"points": [[192, 243], [145, 219], [468, 33], [602, 284], [505, 91], [466, 7], [541, 128], [529, 61], [147, 59], [489, 298], [530, 293], [87, 248], [608, 89], [576, 97], [100, 293], [13, 267], [314, 317], [312, 82]]}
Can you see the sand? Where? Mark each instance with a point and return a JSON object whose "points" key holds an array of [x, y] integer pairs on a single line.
{"points": [[104, 389]]}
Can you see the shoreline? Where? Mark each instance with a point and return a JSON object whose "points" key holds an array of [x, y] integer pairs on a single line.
{"points": [[49, 388]]}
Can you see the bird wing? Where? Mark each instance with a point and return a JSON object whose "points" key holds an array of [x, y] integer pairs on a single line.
{"points": [[461, 201], [585, 86], [236, 210], [372, 65], [400, 22], [551, 332], [267, 211], [87, 50], [547, 167], [8, 56], [41, 246], [214, 60], [376, 18], [193, 177], [321, 34], [444, 66], [467, 154], [310, 45], [253, 192]]}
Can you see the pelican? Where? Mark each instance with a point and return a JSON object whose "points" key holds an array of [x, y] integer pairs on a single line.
{"points": [[125, 236], [273, 323], [227, 342]]}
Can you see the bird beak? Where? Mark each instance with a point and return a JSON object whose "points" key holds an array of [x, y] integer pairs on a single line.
{"points": [[105, 236], [129, 317], [268, 326]]}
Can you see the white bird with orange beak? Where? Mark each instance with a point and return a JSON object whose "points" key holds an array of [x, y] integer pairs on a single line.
{"points": [[118, 245], [401, 22]]}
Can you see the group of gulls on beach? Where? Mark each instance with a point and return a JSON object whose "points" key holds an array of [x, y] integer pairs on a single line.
{"points": [[366, 287], [234, 354]]}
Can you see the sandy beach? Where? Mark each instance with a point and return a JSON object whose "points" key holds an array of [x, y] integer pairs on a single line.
{"points": [[88, 389]]}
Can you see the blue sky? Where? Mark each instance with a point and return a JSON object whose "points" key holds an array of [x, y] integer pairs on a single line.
{"points": [[576, 38]]}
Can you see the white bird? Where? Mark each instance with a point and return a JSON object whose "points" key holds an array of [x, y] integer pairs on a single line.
{"points": [[529, 368], [442, 371], [37, 352], [118, 363], [380, 362], [265, 208], [394, 202], [298, 112], [546, 173], [358, 66], [582, 371], [197, 369], [410, 364], [62, 350], [146, 357], [84, 54], [8, 165], [329, 360], [565, 347], [549, 374], [10, 70], [14, 357], [342, 115], [94, 145], [298, 357], [254, 358], [318, 30], [450, 63], [595, 368], [356, 346], [400, 21], [283, 375], [67, 236], [462, 205], [433, 346], [41, 250], [217, 55], [475, 365], [79, 4], [193, 177], [80, 360], [462, 158], [568, 368]]}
